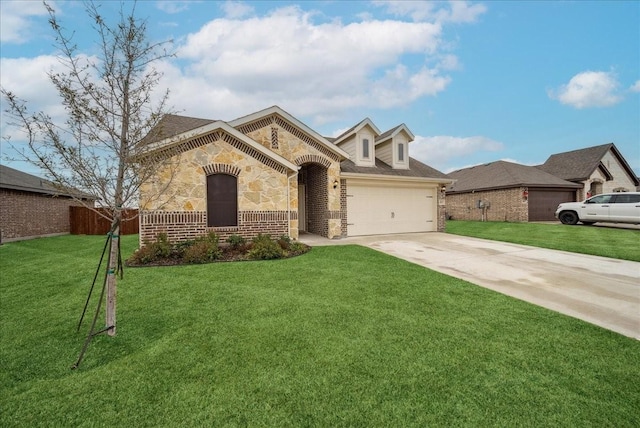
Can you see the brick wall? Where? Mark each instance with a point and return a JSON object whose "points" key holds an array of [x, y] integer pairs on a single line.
{"points": [[506, 205], [29, 215], [317, 200], [343, 207], [187, 225]]}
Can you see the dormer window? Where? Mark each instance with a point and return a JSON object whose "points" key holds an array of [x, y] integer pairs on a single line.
{"points": [[365, 148], [400, 152]]}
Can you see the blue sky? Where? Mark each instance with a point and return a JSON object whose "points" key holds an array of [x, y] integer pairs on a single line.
{"points": [[474, 81]]}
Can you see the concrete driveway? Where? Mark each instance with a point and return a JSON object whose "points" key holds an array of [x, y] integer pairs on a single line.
{"points": [[599, 290]]}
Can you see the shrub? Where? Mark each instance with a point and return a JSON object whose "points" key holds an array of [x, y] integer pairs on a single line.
{"points": [[202, 250], [236, 242], [297, 248], [264, 248], [152, 251], [285, 242]]}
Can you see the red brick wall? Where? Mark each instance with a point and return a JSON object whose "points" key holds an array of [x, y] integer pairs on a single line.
{"points": [[343, 207], [187, 225], [506, 205], [317, 200], [28, 214]]}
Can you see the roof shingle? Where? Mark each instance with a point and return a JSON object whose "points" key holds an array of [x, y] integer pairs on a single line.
{"points": [[502, 174]]}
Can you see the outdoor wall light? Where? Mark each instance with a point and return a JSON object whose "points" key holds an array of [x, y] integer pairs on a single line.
{"points": [[443, 188], [335, 184]]}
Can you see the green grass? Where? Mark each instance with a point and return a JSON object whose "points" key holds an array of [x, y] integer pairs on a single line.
{"points": [[341, 336], [598, 241]]}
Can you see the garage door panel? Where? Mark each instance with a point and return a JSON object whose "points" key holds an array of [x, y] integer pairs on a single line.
{"points": [[379, 209], [543, 203]]}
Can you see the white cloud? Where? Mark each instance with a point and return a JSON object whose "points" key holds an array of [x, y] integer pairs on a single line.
{"points": [[319, 70], [172, 7], [311, 68], [589, 89], [438, 150], [236, 9], [635, 87], [17, 25], [458, 11], [28, 79]]}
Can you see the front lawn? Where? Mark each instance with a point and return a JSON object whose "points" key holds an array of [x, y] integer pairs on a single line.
{"points": [[340, 336], [594, 240]]}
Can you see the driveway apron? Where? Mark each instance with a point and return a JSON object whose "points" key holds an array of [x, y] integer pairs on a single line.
{"points": [[599, 290]]}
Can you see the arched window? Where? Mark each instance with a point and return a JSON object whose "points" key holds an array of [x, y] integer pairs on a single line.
{"points": [[222, 200]]}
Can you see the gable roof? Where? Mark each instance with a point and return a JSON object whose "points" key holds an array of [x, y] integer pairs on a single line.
{"points": [[13, 179], [171, 125], [355, 128], [293, 121], [416, 169], [578, 165], [393, 132], [502, 174], [184, 138]]}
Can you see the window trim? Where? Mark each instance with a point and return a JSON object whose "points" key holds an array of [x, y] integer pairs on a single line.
{"points": [[366, 149]]}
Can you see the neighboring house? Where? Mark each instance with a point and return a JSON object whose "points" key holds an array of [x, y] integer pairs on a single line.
{"points": [[506, 191], [270, 173], [599, 169], [32, 207]]}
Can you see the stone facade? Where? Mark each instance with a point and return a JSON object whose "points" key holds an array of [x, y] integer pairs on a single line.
{"points": [[267, 192], [275, 160], [504, 205], [442, 211], [598, 182]]}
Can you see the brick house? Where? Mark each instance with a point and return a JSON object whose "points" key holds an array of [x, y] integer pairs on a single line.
{"points": [[270, 173], [523, 193], [506, 191], [32, 207]]}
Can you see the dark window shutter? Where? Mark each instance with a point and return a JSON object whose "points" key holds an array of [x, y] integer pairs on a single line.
{"points": [[222, 200]]}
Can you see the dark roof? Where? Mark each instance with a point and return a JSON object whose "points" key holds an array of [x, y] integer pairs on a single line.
{"points": [[17, 180], [578, 165], [416, 169], [387, 133], [350, 130], [171, 125], [502, 174]]}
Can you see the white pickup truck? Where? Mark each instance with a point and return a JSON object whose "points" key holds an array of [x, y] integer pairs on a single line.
{"points": [[608, 207]]}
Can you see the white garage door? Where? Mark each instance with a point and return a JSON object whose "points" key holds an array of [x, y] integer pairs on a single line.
{"points": [[377, 209]]}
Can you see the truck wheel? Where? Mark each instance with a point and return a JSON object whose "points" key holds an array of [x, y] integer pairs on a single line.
{"points": [[569, 217]]}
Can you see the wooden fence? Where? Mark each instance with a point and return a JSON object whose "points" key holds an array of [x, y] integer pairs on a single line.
{"points": [[84, 221]]}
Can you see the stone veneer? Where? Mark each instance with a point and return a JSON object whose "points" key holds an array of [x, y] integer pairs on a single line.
{"points": [[264, 203]]}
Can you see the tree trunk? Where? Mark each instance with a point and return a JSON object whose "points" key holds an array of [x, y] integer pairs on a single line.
{"points": [[111, 281]]}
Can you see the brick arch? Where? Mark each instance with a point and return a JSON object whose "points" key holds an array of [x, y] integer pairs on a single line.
{"points": [[301, 160], [221, 168]]}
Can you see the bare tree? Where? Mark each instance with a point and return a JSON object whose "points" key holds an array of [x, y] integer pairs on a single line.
{"points": [[110, 109]]}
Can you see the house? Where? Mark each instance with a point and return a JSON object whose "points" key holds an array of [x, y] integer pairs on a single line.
{"points": [[599, 169], [506, 191], [268, 172], [32, 207]]}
